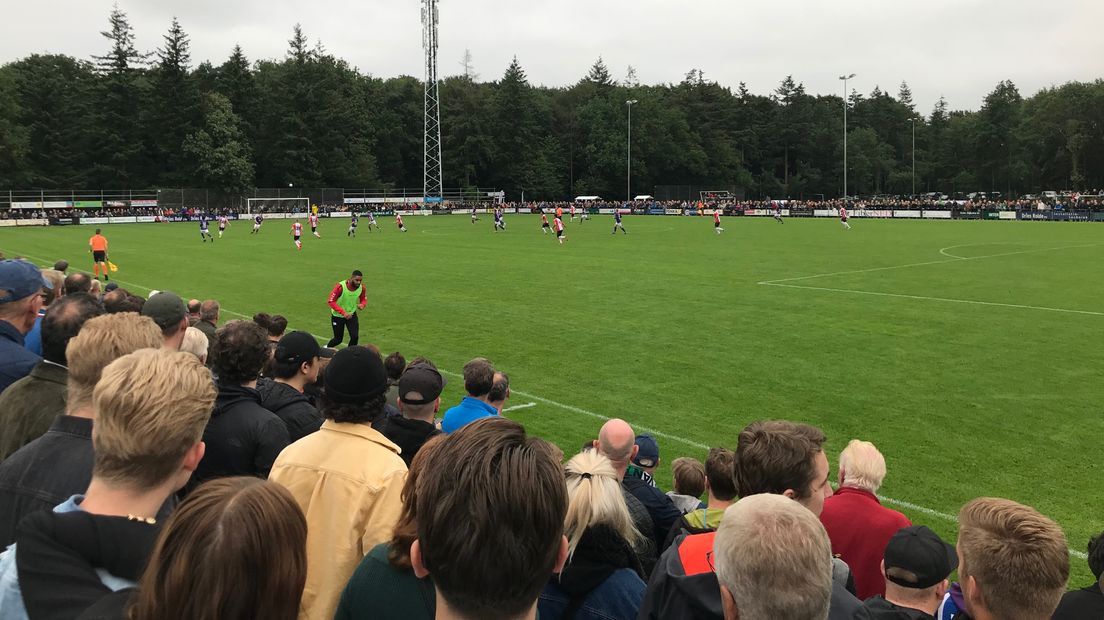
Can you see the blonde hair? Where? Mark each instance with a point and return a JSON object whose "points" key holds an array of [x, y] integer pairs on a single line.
{"points": [[151, 408], [594, 497], [195, 342], [1018, 557], [57, 280], [773, 556], [102, 340], [863, 466]]}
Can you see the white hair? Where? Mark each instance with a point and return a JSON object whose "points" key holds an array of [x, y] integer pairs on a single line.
{"points": [[773, 556], [195, 342], [862, 465]]}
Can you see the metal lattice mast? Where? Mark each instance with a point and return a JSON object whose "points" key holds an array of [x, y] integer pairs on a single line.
{"points": [[431, 142]]}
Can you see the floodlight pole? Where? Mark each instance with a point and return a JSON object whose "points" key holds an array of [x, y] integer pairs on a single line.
{"points": [[845, 78], [913, 121], [432, 177], [628, 154]]}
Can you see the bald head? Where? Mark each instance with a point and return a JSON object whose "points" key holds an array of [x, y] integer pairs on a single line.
{"points": [[617, 442]]}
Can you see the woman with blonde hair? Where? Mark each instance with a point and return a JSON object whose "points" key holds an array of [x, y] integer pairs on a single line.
{"points": [[602, 577]]}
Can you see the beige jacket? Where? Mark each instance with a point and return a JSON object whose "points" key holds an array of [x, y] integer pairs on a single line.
{"points": [[348, 480]]}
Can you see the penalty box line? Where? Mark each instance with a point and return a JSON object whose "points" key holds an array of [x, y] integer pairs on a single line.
{"points": [[688, 442]]}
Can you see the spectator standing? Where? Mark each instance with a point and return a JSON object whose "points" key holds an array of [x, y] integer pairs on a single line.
{"points": [[195, 343], [168, 311], [1013, 561], [78, 282], [347, 478], [773, 560], [33, 340], [479, 376], [721, 487], [243, 438], [500, 392], [151, 407], [688, 483], [193, 312], [508, 492], [857, 523], [1087, 602], [234, 549], [384, 586], [419, 390], [646, 460], [28, 407], [208, 320], [21, 285], [294, 366], [602, 577], [395, 365], [25, 485], [916, 566]]}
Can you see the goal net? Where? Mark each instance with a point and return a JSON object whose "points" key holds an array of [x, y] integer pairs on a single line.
{"points": [[278, 205]]}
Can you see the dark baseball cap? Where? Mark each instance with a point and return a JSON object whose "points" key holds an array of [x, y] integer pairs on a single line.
{"points": [[165, 308], [917, 557], [423, 379], [19, 280], [648, 454], [297, 348]]}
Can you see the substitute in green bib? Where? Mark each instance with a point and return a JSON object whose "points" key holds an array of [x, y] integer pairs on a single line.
{"points": [[347, 297]]}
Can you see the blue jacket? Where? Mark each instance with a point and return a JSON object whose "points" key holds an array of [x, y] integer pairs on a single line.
{"points": [[16, 361], [469, 410], [618, 598], [33, 340], [601, 581]]}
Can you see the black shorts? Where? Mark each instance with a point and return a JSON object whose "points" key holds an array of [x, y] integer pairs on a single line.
{"points": [[296, 237], [559, 233], [716, 224], [546, 225], [99, 257], [314, 229]]}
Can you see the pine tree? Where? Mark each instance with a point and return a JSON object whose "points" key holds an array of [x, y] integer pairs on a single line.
{"points": [[904, 95], [176, 108], [122, 92], [599, 74]]}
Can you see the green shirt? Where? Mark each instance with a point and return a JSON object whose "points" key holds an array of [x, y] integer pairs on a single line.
{"points": [[708, 518], [379, 591]]}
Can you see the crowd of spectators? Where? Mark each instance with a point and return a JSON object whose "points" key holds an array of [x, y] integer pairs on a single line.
{"points": [[159, 463]]}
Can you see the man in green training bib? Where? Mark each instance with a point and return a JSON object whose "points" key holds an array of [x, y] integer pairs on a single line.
{"points": [[347, 297]]}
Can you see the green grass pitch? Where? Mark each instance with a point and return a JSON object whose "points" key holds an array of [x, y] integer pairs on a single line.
{"points": [[970, 353]]}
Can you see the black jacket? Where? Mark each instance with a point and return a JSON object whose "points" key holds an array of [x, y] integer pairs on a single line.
{"points": [[881, 609], [601, 552], [58, 555], [291, 406], [408, 434], [243, 438], [662, 510]]}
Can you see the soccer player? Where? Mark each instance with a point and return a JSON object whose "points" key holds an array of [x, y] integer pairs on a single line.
{"points": [[204, 232], [778, 213], [544, 222], [559, 213], [314, 224], [560, 230], [843, 218], [499, 223], [717, 221], [398, 221], [97, 245], [372, 222], [475, 218], [223, 223], [617, 223], [296, 233], [345, 299], [257, 224], [572, 213], [352, 226]]}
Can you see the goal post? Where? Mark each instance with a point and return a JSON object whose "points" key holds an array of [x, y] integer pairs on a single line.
{"points": [[277, 205]]}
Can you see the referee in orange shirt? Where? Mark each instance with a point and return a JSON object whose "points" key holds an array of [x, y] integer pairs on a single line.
{"points": [[97, 245]]}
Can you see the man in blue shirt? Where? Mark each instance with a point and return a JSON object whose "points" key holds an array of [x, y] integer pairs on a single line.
{"points": [[21, 285], [479, 375]]}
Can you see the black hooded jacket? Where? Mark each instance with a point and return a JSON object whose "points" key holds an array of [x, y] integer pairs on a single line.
{"points": [[409, 435], [58, 555], [243, 438], [291, 406]]}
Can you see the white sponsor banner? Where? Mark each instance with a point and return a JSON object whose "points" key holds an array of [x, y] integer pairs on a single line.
{"points": [[937, 215], [510, 210], [57, 204], [122, 220], [31, 222], [906, 214], [146, 219], [26, 205], [872, 213], [4, 223], [1007, 215], [674, 211], [403, 212], [397, 201], [607, 211], [94, 220], [825, 213], [461, 211], [341, 214], [143, 203]]}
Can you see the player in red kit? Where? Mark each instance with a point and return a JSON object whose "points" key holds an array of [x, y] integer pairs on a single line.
{"points": [[544, 223], [398, 221], [717, 221], [843, 218], [296, 232], [314, 225], [560, 230]]}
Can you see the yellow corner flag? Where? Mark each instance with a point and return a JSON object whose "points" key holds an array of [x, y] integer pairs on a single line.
{"points": [[112, 266]]}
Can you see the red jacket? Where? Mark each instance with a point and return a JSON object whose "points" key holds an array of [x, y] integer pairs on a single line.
{"points": [[859, 528]]}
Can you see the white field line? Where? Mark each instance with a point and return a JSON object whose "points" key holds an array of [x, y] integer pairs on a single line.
{"points": [[926, 298], [689, 442], [516, 407]]}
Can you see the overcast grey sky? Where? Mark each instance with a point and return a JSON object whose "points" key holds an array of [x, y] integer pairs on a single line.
{"points": [[956, 48]]}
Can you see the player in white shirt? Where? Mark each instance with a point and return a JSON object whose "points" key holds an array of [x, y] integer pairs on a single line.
{"points": [[843, 218], [372, 222], [560, 230], [296, 233], [257, 224], [572, 213], [475, 218], [717, 221], [398, 221], [314, 225], [223, 223], [778, 213]]}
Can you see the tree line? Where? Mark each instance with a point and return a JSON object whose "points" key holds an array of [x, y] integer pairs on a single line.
{"points": [[129, 119]]}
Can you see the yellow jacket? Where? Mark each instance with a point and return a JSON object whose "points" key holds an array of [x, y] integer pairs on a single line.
{"points": [[348, 479]]}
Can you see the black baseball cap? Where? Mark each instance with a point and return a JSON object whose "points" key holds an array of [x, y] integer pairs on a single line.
{"points": [[165, 308], [297, 348], [423, 379], [355, 374], [922, 554]]}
